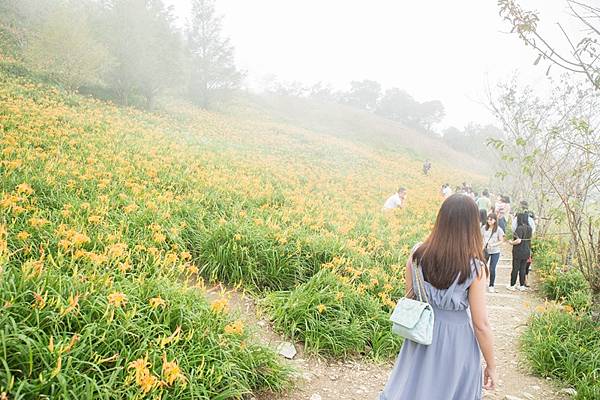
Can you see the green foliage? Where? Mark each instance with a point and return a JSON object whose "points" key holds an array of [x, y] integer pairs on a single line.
{"points": [[567, 347], [333, 320], [237, 252], [63, 48], [567, 285], [85, 352]]}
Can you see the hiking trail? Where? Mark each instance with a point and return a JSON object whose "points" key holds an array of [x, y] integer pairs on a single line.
{"points": [[320, 379]]}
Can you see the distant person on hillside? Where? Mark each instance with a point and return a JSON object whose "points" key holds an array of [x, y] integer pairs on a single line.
{"points": [[396, 200], [521, 252], [449, 266], [483, 201], [446, 190], [426, 167]]}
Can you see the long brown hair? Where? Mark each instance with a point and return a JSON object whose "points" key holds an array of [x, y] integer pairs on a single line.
{"points": [[454, 243]]}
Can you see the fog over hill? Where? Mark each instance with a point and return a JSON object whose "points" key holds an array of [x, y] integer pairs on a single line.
{"points": [[360, 127]]}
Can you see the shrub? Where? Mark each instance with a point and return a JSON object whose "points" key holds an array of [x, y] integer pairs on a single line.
{"points": [[333, 319], [568, 286], [567, 347], [558, 282], [81, 335]]}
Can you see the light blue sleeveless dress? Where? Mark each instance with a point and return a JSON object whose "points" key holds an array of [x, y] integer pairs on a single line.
{"points": [[450, 367]]}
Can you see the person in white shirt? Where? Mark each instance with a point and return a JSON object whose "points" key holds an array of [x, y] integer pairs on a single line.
{"points": [[493, 236], [396, 200], [446, 190]]}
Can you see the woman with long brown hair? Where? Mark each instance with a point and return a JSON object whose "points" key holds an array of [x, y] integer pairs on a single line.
{"points": [[455, 279]]}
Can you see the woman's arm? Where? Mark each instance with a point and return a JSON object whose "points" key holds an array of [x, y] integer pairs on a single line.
{"points": [[500, 236], [517, 237], [482, 328]]}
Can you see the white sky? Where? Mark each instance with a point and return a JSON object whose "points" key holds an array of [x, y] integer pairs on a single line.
{"points": [[434, 49]]}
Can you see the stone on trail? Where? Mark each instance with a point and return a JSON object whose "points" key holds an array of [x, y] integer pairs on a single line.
{"points": [[509, 397], [528, 396], [287, 350], [315, 396]]}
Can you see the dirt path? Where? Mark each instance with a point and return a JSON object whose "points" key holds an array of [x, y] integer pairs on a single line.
{"points": [[354, 380]]}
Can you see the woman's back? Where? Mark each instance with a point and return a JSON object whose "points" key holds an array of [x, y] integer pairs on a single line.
{"points": [[452, 360], [455, 297], [523, 249], [447, 263]]}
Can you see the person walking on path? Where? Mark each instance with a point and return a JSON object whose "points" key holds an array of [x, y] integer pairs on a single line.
{"points": [[396, 200], [455, 277], [502, 209], [524, 208], [521, 251], [483, 201], [493, 236]]}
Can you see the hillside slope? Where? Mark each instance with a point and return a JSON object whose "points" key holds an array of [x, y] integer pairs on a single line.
{"points": [[113, 220], [361, 127]]}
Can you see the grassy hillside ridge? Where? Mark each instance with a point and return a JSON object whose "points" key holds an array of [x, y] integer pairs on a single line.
{"points": [[361, 127], [108, 215]]}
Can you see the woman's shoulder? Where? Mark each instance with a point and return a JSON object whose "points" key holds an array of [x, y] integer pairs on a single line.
{"points": [[415, 247], [476, 268]]}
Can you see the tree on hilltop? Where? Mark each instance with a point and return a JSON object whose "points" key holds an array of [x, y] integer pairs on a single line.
{"points": [[212, 67], [140, 36], [400, 106], [363, 94]]}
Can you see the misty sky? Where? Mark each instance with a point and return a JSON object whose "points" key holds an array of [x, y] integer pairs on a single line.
{"points": [[434, 49]]}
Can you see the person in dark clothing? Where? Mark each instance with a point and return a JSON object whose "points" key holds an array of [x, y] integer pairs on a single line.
{"points": [[426, 167], [521, 251], [524, 207], [483, 215]]}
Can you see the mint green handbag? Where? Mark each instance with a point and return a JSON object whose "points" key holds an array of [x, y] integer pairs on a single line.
{"points": [[413, 319]]}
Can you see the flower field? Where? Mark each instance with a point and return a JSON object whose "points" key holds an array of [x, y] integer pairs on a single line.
{"points": [[113, 222]]}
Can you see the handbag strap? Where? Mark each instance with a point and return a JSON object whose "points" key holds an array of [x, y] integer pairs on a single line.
{"points": [[490, 238], [422, 293]]}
